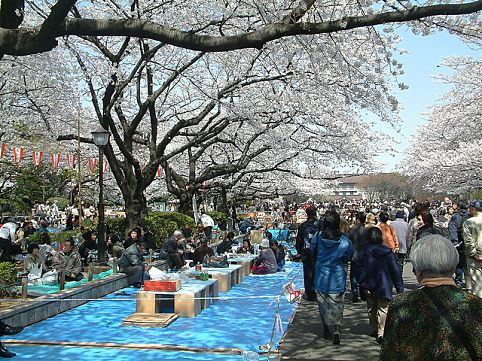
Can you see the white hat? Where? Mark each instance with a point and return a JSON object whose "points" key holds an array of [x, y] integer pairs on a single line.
{"points": [[265, 243]]}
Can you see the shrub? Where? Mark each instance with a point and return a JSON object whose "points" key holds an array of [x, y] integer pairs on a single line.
{"points": [[8, 276], [163, 224], [116, 226], [218, 215], [57, 237]]}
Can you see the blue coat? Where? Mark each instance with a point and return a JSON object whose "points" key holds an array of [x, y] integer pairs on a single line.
{"points": [[379, 271], [330, 276]]}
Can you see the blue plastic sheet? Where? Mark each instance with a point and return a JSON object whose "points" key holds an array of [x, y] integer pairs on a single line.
{"points": [[279, 234], [240, 322], [49, 289]]}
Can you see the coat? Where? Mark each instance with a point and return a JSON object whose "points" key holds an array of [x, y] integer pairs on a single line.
{"points": [[330, 275], [379, 271], [389, 236], [70, 263], [131, 257], [401, 229], [416, 331]]}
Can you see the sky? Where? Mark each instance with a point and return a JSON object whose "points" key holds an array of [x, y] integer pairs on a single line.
{"points": [[422, 62]]}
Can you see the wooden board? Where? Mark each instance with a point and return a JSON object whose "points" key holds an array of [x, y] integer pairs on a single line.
{"points": [[158, 320]]}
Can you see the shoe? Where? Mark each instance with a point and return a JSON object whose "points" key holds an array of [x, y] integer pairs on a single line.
{"points": [[380, 339], [5, 353], [9, 330], [336, 338]]}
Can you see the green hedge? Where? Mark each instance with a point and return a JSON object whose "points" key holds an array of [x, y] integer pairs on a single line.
{"points": [[163, 224], [218, 215], [8, 276]]}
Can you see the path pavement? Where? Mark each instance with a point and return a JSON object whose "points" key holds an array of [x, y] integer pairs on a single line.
{"points": [[303, 340]]}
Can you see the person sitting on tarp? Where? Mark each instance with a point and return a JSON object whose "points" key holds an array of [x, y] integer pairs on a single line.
{"points": [[115, 248], [88, 245], [68, 260], [279, 253], [226, 244], [33, 261], [246, 225], [266, 261], [132, 263], [202, 251], [6, 330], [172, 250], [246, 247]]}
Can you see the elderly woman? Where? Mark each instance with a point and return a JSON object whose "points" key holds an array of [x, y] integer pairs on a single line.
{"points": [[438, 321], [332, 250]]}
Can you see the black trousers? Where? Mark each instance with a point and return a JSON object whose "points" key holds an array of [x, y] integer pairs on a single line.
{"points": [[308, 276]]}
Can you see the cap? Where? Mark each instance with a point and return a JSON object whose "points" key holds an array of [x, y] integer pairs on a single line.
{"points": [[400, 214], [477, 204]]}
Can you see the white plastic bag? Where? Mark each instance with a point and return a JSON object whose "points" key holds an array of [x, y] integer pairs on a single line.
{"points": [[156, 273], [50, 278]]}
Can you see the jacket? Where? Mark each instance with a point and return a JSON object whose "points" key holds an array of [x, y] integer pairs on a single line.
{"points": [[379, 271], [131, 257], [224, 247], [171, 246], [472, 230], [267, 259], [117, 249], [200, 252], [416, 331], [389, 236], [330, 276], [401, 228], [358, 237], [69, 263]]}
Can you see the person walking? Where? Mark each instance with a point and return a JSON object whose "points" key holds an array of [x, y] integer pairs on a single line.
{"points": [[331, 250], [472, 233], [379, 272], [401, 228]]}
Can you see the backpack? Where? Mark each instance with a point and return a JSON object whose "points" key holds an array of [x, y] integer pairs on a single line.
{"points": [[308, 234]]}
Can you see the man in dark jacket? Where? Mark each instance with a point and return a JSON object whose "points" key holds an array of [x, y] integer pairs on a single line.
{"points": [[202, 251], [357, 236], [456, 237], [306, 231], [172, 250], [226, 244], [132, 263]]}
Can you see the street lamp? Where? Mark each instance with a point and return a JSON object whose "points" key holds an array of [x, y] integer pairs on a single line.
{"points": [[101, 138]]}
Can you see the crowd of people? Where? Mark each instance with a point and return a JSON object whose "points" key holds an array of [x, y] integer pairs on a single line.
{"points": [[367, 243]]}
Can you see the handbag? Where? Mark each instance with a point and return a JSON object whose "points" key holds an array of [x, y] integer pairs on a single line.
{"points": [[216, 261], [458, 329]]}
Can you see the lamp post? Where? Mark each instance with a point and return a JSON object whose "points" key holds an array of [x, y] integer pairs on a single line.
{"points": [[101, 138]]}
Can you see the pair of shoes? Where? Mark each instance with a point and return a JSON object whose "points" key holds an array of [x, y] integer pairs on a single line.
{"points": [[336, 338], [380, 339], [5, 353], [9, 330]]}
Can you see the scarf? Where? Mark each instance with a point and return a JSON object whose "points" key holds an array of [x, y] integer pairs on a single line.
{"points": [[435, 282]]}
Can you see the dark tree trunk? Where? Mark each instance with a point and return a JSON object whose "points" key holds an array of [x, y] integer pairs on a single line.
{"points": [[135, 206], [185, 203]]}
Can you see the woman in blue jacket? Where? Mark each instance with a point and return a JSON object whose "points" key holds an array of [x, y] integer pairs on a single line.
{"points": [[332, 249], [379, 272]]}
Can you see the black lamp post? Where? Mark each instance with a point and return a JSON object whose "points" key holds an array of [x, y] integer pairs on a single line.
{"points": [[101, 138]]}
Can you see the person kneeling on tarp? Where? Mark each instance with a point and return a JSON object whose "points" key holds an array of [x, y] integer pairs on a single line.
{"points": [[7, 330], [132, 263], [266, 261], [68, 260]]}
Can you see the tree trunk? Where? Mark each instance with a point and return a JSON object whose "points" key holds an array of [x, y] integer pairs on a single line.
{"points": [[135, 206], [185, 203]]}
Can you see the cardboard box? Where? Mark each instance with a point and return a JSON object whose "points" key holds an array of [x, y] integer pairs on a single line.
{"points": [[163, 286]]}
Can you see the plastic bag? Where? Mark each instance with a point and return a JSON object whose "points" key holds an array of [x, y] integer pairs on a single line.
{"points": [[156, 273], [50, 278]]}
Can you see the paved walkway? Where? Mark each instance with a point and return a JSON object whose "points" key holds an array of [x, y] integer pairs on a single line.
{"points": [[303, 340]]}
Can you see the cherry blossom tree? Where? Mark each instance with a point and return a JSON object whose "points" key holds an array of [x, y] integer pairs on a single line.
{"points": [[216, 25], [446, 152]]}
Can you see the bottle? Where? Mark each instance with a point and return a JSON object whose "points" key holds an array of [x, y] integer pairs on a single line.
{"points": [[199, 267]]}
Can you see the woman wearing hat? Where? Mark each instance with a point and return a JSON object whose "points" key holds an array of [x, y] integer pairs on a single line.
{"points": [[266, 261]]}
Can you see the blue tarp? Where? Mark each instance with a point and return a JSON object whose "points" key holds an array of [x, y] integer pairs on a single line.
{"points": [[280, 234], [241, 322], [48, 289]]}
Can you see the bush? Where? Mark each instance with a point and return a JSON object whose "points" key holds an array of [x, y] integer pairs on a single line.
{"points": [[218, 215], [58, 237], [8, 277], [163, 224], [116, 226]]}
